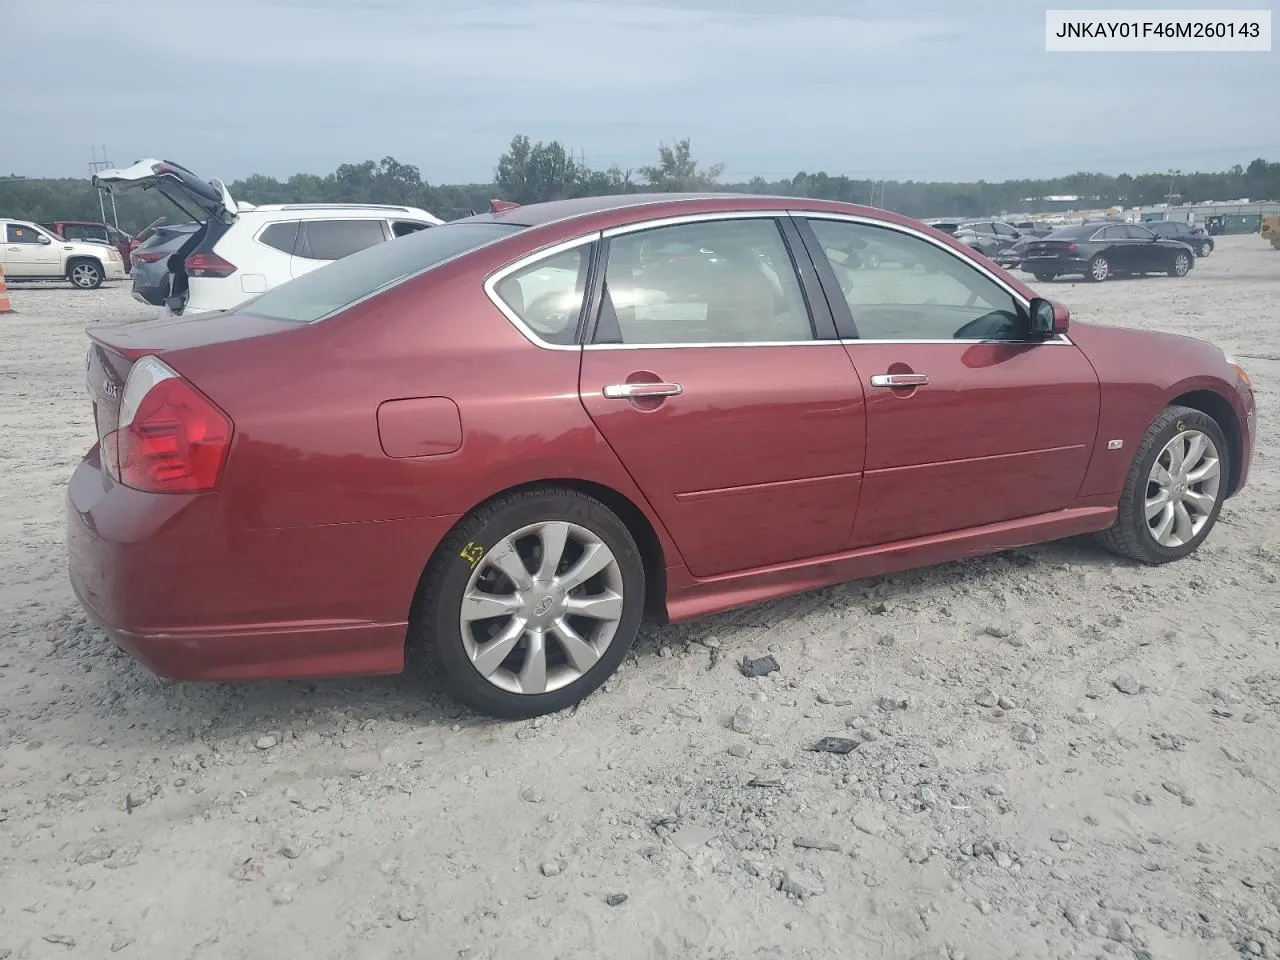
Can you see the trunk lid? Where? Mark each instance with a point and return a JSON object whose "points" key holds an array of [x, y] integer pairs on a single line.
{"points": [[175, 182], [113, 351]]}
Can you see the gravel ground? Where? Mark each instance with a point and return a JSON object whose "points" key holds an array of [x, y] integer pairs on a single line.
{"points": [[1060, 754]]}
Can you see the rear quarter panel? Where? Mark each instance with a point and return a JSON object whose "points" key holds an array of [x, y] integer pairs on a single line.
{"points": [[307, 449], [1141, 372]]}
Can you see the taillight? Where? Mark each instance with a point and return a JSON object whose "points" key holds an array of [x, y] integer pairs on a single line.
{"points": [[171, 438], [208, 265], [149, 256]]}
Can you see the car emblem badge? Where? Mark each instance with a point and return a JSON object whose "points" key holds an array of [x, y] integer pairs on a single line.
{"points": [[543, 606]]}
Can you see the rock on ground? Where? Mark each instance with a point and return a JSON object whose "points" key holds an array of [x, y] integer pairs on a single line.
{"points": [[383, 821]]}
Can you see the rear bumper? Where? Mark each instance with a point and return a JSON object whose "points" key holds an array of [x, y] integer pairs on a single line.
{"points": [[1035, 264], [191, 600], [114, 270]]}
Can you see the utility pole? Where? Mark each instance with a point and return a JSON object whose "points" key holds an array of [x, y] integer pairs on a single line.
{"points": [[96, 165]]}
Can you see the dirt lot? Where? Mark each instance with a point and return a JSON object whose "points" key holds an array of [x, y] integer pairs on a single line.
{"points": [[1063, 755]]}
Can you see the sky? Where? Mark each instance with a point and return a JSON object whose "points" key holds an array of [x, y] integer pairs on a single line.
{"points": [[898, 89]]}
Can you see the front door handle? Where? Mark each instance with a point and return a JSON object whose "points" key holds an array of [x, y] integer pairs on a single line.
{"points": [[639, 391], [900, 380]]}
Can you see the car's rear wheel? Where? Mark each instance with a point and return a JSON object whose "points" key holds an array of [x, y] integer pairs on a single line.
{"points": [[1181, 264], [531, 602], [85, 274], [1174, 489], [1206, 248], [1099, 269]]}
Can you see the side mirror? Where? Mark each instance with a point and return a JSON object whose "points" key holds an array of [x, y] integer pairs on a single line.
{"points": [[43, 239], [1048, 319]]}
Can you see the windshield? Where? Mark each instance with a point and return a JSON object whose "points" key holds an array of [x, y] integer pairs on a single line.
{"points": [[323, 292]]}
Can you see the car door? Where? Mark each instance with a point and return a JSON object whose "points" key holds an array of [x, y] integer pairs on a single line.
{"points": [[1117, 248], [323, 241], [1148, 256], [969, 422], [29, 252], [733, 407], [1006, 235]]}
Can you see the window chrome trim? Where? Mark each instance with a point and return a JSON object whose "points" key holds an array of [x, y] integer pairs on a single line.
{"points": [[491, 288], [491, 282], [692, 218]]}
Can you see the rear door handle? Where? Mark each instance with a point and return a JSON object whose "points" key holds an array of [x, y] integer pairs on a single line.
{"points": [[636, 391], [900, 380]]}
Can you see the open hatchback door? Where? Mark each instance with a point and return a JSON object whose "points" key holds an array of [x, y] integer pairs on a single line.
{"points": [[177, 183]]}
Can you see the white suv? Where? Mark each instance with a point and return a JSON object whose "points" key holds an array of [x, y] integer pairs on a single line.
{"points": [[242, 250], [30, 252]]}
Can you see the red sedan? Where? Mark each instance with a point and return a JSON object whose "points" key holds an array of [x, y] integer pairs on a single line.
{"points": [[508, 438]]}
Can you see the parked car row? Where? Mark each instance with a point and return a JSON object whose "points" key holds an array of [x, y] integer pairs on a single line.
{"points": [[508, 438], [1100, 251], [33, 252]]}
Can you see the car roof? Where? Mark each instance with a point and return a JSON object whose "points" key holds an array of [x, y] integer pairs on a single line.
{"points": [[618, 209]]}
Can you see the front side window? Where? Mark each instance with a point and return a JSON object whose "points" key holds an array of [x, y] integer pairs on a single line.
{"points": [[918, 291], [547, 295], [17, 233], [1004, 230], [335, 239], [713, 282]]}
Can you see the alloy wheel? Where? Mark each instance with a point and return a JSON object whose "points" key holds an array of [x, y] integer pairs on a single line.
{"points": [[84, 275], [541, 608], [1181, 264], [1099, 269], [1182, 488]]}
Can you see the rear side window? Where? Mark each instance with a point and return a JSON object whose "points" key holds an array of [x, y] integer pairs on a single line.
{"points": [[402, 228], [323, 292], [280, 236], [547, 295], [335, 239]]}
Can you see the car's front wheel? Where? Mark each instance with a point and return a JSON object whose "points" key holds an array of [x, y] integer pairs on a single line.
{"points": [[1174, 489], [1181, 265], [1044, 276], [85, 274], [1206, 248], [1099, 269], [531, 602]]}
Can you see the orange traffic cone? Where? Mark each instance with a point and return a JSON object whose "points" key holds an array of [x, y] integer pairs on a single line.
{"points": [[5, 305]]}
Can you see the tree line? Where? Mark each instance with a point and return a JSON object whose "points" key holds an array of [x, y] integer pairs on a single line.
{"points": [[530, 172]]}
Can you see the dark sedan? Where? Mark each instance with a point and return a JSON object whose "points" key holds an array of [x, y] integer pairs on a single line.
{"points": [[1100, 251], [1195, 237]]}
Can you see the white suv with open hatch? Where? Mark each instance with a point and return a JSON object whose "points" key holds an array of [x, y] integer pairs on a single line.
{"points": [[242, 249]]}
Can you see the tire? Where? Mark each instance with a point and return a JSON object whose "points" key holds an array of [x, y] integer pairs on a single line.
{"points": [[1206, 248], [1181, 265], [1044, 277], [1132, 534], [1099, 269], [465, 562], [85, 273]]}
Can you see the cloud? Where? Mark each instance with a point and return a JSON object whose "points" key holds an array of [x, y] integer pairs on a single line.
{"points": [[911, 89]]}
